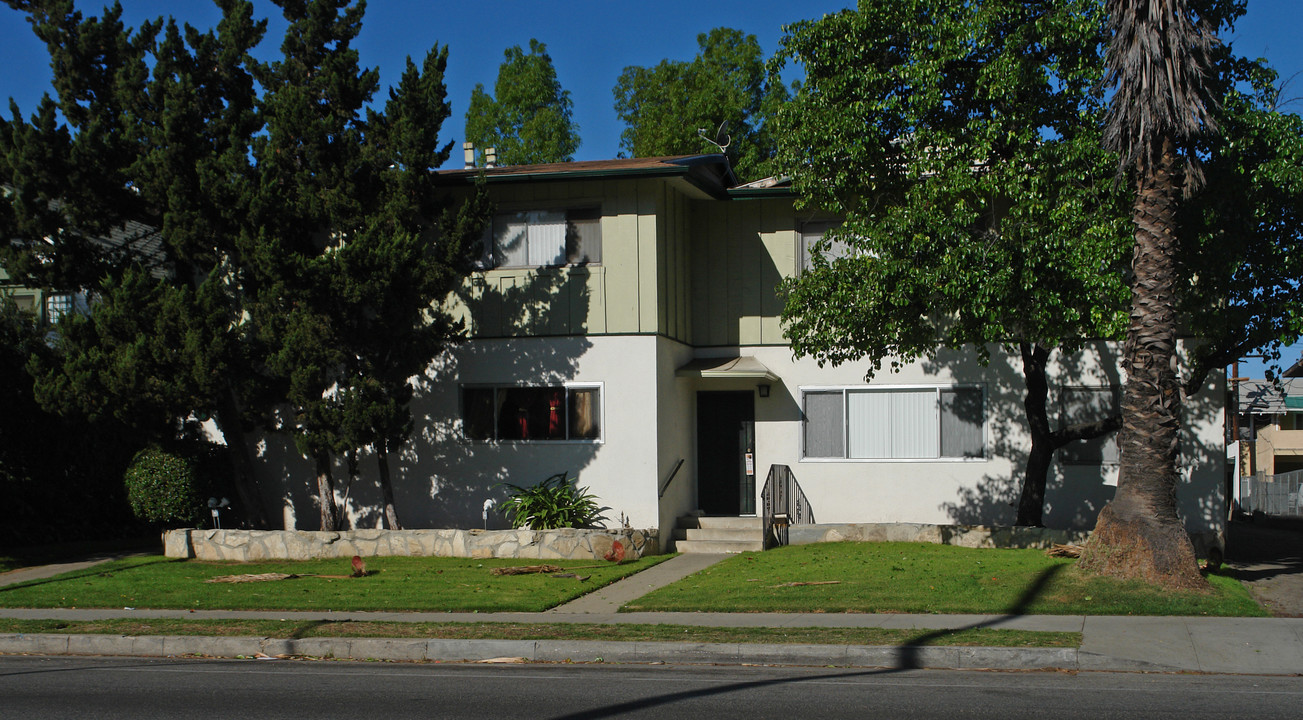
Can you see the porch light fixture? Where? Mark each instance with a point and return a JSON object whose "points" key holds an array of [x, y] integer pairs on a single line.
{"points": [[764, 390]]}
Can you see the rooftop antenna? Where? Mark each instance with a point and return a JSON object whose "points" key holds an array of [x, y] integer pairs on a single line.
{"points": [[722, 138]]}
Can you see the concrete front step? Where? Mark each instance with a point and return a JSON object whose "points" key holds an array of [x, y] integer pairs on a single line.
{"points": [[719, 534], [716, 534], [718, 546], [711, 521]]}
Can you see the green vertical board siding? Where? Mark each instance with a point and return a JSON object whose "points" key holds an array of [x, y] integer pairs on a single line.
{"points": [[736, 270], [685, 272], [754, 258], [717, 278], [779, 239], [664, 239], [648, 287], [699, 291], [620, 254]]}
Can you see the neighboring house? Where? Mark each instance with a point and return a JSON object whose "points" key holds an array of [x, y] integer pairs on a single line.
{"points": [[1271, 424], [624, 327], [27, 299], [137, 240]]}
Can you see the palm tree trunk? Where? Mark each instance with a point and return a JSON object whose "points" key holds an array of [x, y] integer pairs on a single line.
{"points": [[387, 489], [1139, 534]]}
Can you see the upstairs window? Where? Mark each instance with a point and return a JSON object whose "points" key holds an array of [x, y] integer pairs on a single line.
{"points": [[544, 238], [811, 235], [921, 423], [537, 413]]}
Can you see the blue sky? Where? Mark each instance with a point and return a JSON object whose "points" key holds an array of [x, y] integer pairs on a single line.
{"points": [[590, 42]]}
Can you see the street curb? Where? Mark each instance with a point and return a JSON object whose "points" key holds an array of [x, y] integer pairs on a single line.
{"points": [[550, 651]]}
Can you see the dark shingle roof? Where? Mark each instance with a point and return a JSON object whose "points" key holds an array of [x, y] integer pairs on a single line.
{"points": [[711, 174]]}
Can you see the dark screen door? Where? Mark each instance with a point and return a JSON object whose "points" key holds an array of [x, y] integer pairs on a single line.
{"points": [[726, 480]]}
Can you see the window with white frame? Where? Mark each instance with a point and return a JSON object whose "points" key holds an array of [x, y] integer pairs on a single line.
{"points": [[544, 238], [898, 423], [57, 305], [532, 413], [1087, 405]]}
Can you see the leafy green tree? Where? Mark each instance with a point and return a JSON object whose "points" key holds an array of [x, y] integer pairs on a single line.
{"points": [[528, 117], [665, 106], [1028, 246], [978, 203], [1240, 232]]}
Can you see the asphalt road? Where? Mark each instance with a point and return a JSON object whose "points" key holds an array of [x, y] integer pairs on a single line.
{"points": [[49, 687]]}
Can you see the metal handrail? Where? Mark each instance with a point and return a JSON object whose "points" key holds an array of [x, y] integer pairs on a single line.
{"points": [[785, 504], [666, 484]]}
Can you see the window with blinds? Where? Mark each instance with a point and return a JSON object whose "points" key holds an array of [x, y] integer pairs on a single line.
{"points": [[918, 423], [544, 238]]}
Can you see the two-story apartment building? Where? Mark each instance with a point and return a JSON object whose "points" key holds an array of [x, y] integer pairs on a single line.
{"points": [[625, 327]]}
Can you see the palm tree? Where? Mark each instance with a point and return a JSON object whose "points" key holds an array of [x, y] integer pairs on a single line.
{"points": [[1156, 63]]}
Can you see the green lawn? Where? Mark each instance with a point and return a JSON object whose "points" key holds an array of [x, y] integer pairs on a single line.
{"points": [[393, 583], [14, 558], [925, 578], [980, 637]]}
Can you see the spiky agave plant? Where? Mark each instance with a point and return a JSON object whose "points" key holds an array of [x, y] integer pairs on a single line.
{"points": [[557, 502]]}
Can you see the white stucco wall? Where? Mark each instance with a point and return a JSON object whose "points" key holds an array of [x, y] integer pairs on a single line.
{"points": [[981, 491], [442, 480], [649, 423]]}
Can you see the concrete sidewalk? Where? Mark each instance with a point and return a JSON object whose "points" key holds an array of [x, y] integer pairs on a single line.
{"points": [[1268, 646]]}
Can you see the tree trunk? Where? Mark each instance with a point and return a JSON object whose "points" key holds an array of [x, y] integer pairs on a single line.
{"points": [[237, 447], [1139, 534], [1031, 504], [1046, 442], [387, 489], [326, 491]]}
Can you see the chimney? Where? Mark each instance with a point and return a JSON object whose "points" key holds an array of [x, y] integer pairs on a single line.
{"points": [[490, 157], [469, 149]]}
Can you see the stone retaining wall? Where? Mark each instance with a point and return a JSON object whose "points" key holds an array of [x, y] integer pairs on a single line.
{"points": [[257, 545], [974, 536]]}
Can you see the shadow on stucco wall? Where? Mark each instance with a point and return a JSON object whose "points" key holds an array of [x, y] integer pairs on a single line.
{"points": [[440, 478], [1075, 493]]}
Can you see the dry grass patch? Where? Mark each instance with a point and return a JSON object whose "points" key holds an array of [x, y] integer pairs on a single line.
{"points": [[982, 637]]}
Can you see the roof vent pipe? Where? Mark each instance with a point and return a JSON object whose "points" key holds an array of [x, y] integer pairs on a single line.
{"points": [[490, 157], [469, 149]]}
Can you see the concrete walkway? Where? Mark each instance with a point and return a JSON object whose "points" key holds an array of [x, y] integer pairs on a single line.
{"points": [[609, 599], [1268, 646]]}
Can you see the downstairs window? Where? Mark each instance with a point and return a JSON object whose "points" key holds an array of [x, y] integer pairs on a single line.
{"points": [[532, 413], [918, 423]]}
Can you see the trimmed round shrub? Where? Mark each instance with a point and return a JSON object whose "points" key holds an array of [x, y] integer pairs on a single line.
{"points": [[164, 487]]}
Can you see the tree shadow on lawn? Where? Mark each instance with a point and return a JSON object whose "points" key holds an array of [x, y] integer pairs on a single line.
{"points": [[92, 571], [907, 658]]}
